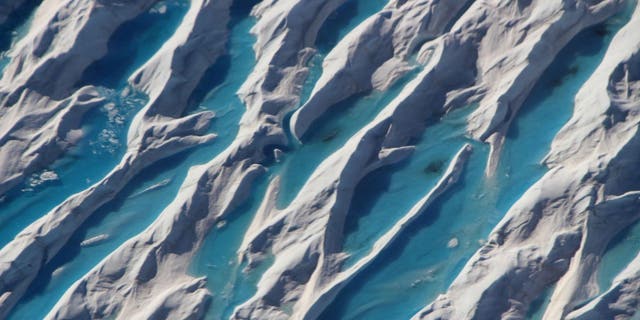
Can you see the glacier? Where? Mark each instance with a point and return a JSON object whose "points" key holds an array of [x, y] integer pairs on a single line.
{"points": [[319, 159]]}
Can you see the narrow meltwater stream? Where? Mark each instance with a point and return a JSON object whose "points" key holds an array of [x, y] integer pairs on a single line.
{"points": [[140, 203], [98, 152], [400, 275], [217, 259], [621, 251], [419, 265], [425, 261], [105, 128], [345, 118], [625, 246], [390, 192], [330, 133]]}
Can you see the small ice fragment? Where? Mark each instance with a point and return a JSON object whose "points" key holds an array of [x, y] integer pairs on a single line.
{"points": [[160, 9], [48, 175], [278, 154], [452, 243], [57, 271], [73, 136], [94, 240]]}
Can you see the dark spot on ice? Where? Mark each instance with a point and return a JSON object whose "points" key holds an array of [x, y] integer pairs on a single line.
{"points": [[572, 71], [434, 167], [601, 30], [330, 136]]}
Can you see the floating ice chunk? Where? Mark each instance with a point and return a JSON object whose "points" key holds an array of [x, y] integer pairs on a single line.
{"points": [[94, 240], [74, 136], [48, 175], [161, 9], [57, 271], [153, 187], [278, 154], [453, 243], [38, 179]]}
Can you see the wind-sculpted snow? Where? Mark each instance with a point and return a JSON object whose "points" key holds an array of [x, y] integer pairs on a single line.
{"points": [[220, 186], [158, 138], [375, 54], [32, 138], [423, 59], [330, 284], [65, 37], [583, 202], [44, 69]]}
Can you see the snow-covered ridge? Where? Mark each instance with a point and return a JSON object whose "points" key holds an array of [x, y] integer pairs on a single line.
{"points": [[583, 202], [484, 54]]}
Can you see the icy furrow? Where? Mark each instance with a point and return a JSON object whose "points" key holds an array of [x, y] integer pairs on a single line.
{"points": [[153, 138], [620, 301], [306, 237], [64, 39], [485, 54], [560, 227], [38, 129], [119, 285], [375, 54], [65, 35], [519, 40], [322, 298], [23, 258]]}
